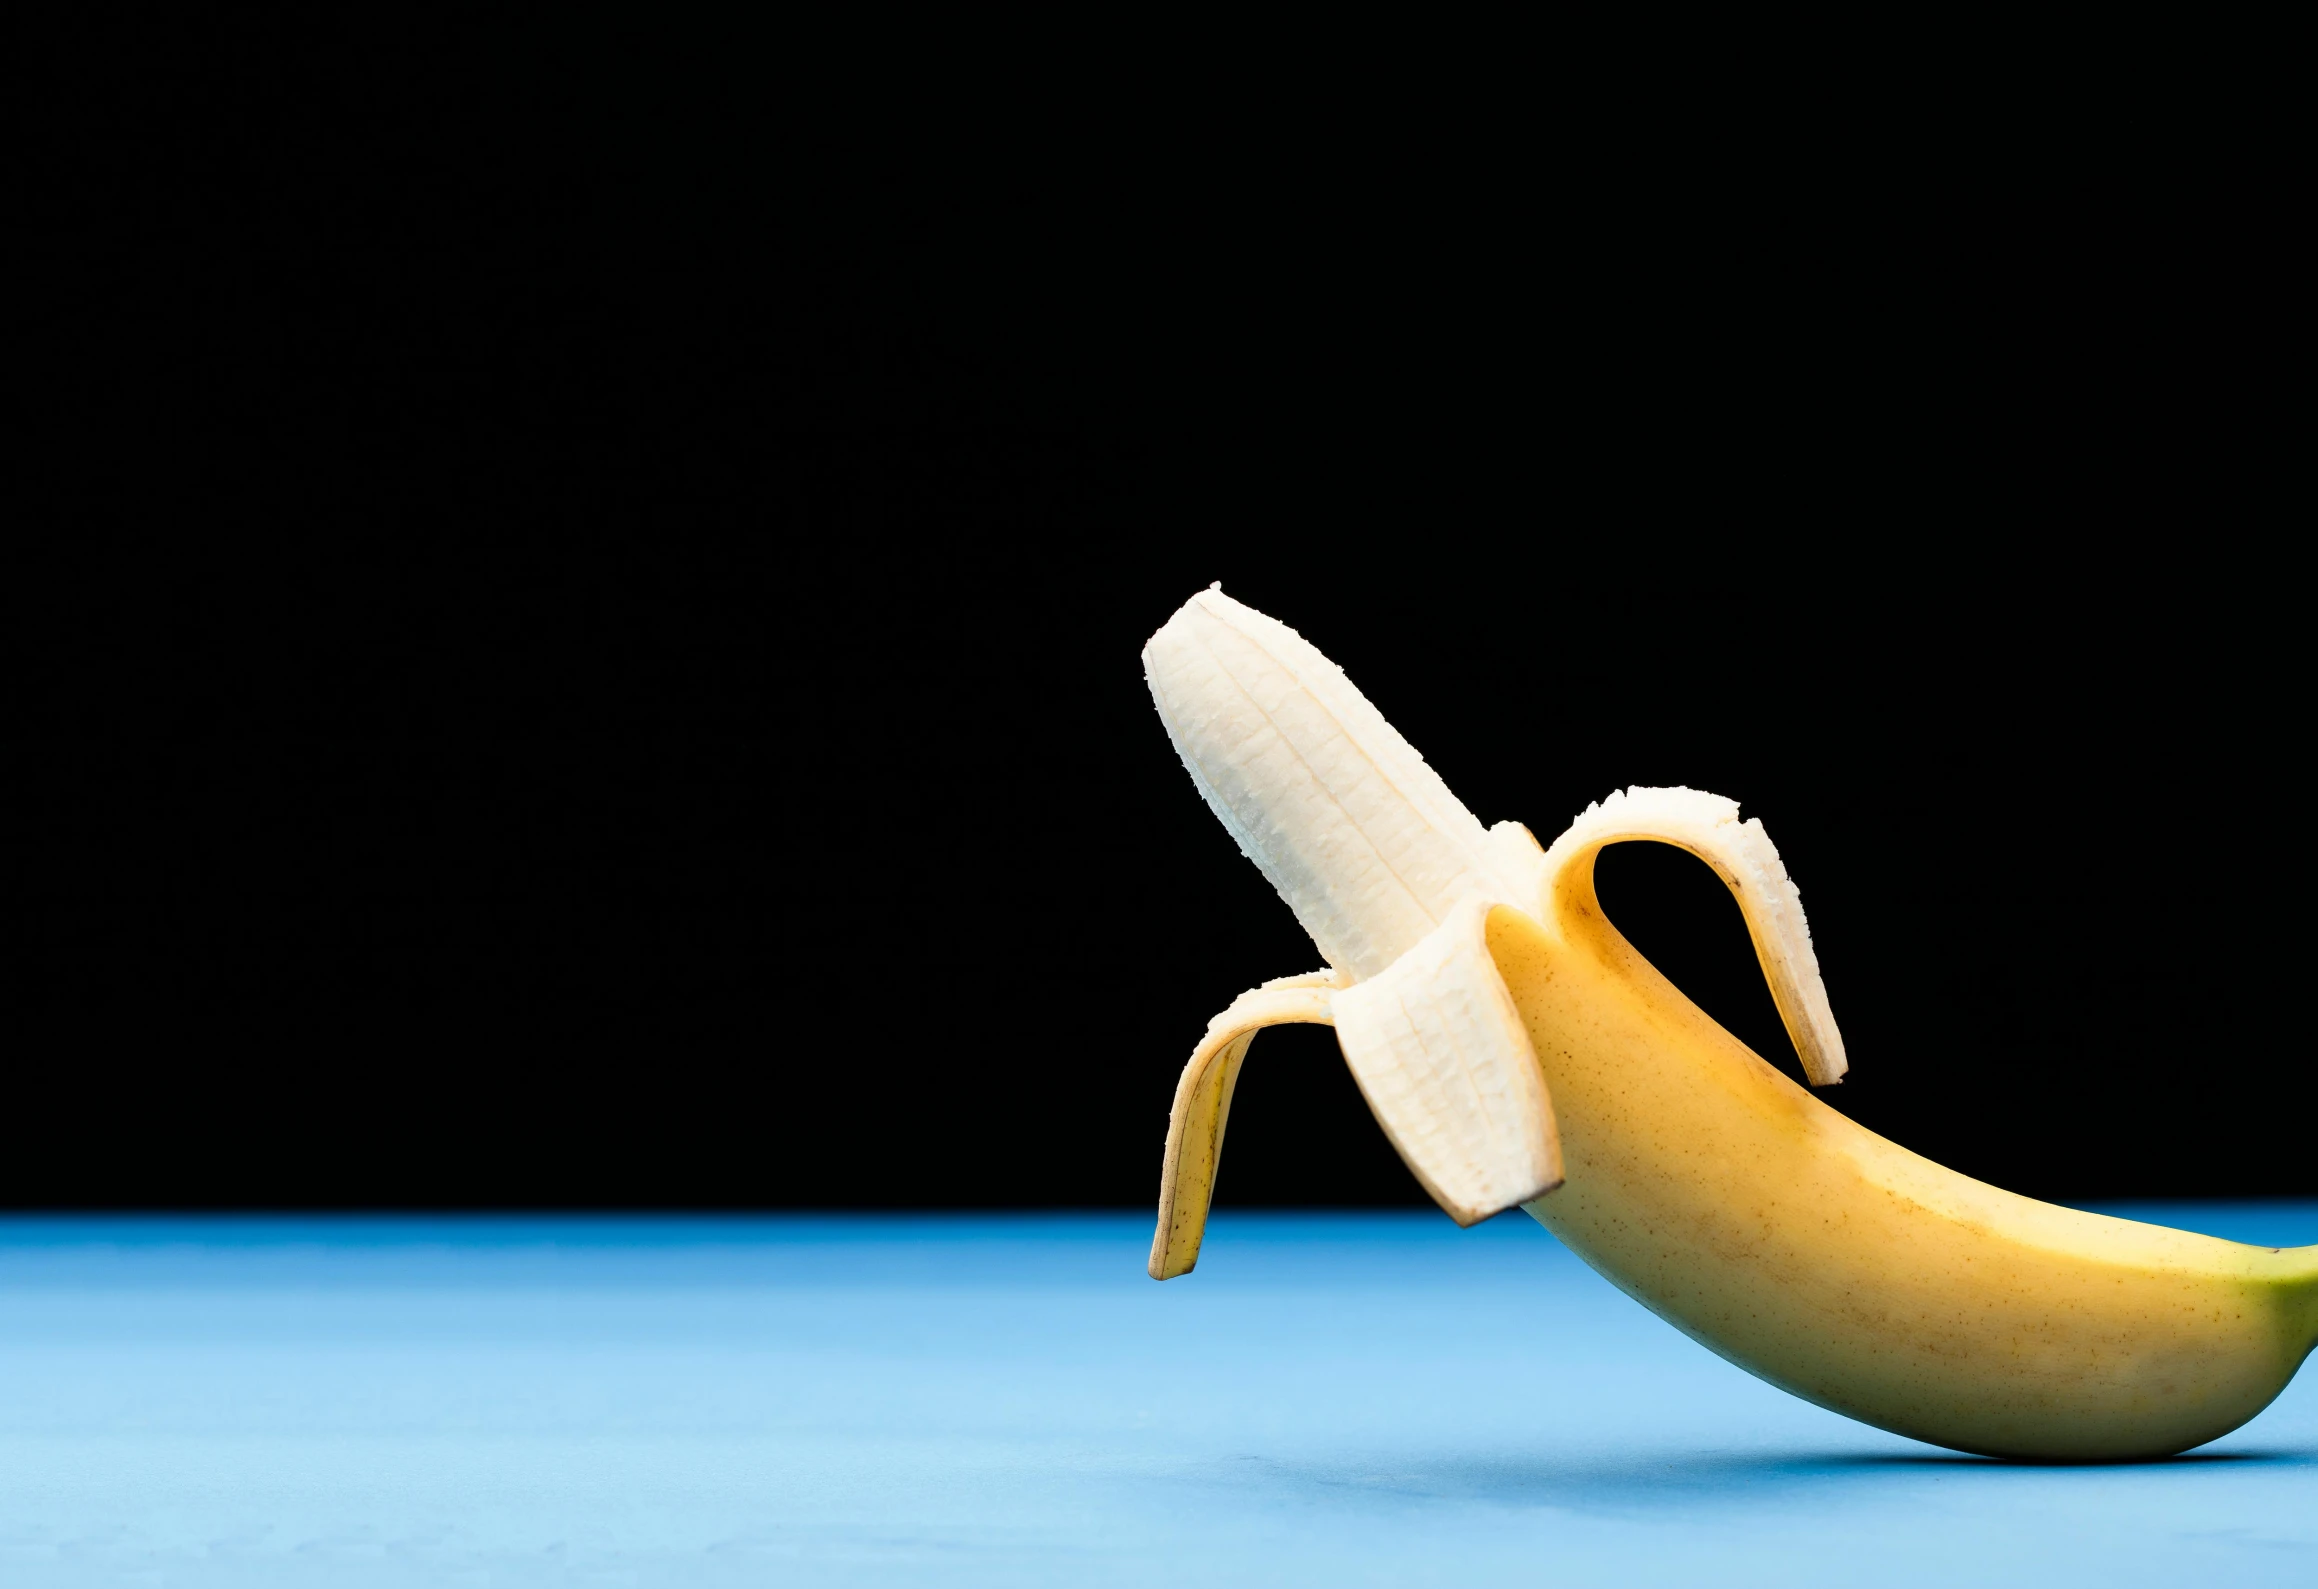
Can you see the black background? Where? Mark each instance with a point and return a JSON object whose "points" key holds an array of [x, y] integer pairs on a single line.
{"points": [[600, 661]]}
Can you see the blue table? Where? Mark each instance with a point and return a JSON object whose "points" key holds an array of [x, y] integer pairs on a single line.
{"points": [[1330, 1400]]}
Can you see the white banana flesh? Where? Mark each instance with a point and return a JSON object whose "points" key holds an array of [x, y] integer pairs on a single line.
{"points": [[1341, 815]]}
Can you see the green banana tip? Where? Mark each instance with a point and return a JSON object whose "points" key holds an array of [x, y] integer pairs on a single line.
{"points": [[2303, 1287]]}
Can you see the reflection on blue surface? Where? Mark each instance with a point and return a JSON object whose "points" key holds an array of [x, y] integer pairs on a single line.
{"points": [[1331, 1399]]}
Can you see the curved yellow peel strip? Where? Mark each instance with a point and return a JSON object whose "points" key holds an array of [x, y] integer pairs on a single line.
{"points": [[1203, 1104], [1442, 1056], [1742, 855]]}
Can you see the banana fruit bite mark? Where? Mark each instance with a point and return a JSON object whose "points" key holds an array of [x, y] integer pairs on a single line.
{"points": [[1518, 1051]]}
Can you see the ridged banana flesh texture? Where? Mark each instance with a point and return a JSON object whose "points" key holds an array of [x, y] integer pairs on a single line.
{"points": [[1518, 1050]]}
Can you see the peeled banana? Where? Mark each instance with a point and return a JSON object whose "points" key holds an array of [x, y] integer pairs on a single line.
{"points": [[1518, 1050]]}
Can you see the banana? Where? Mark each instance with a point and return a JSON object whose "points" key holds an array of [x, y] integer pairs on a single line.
{"points": [[1517, 1050]]}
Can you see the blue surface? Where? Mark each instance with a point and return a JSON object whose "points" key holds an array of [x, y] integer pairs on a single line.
{"points": [[1338, 1400]]}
